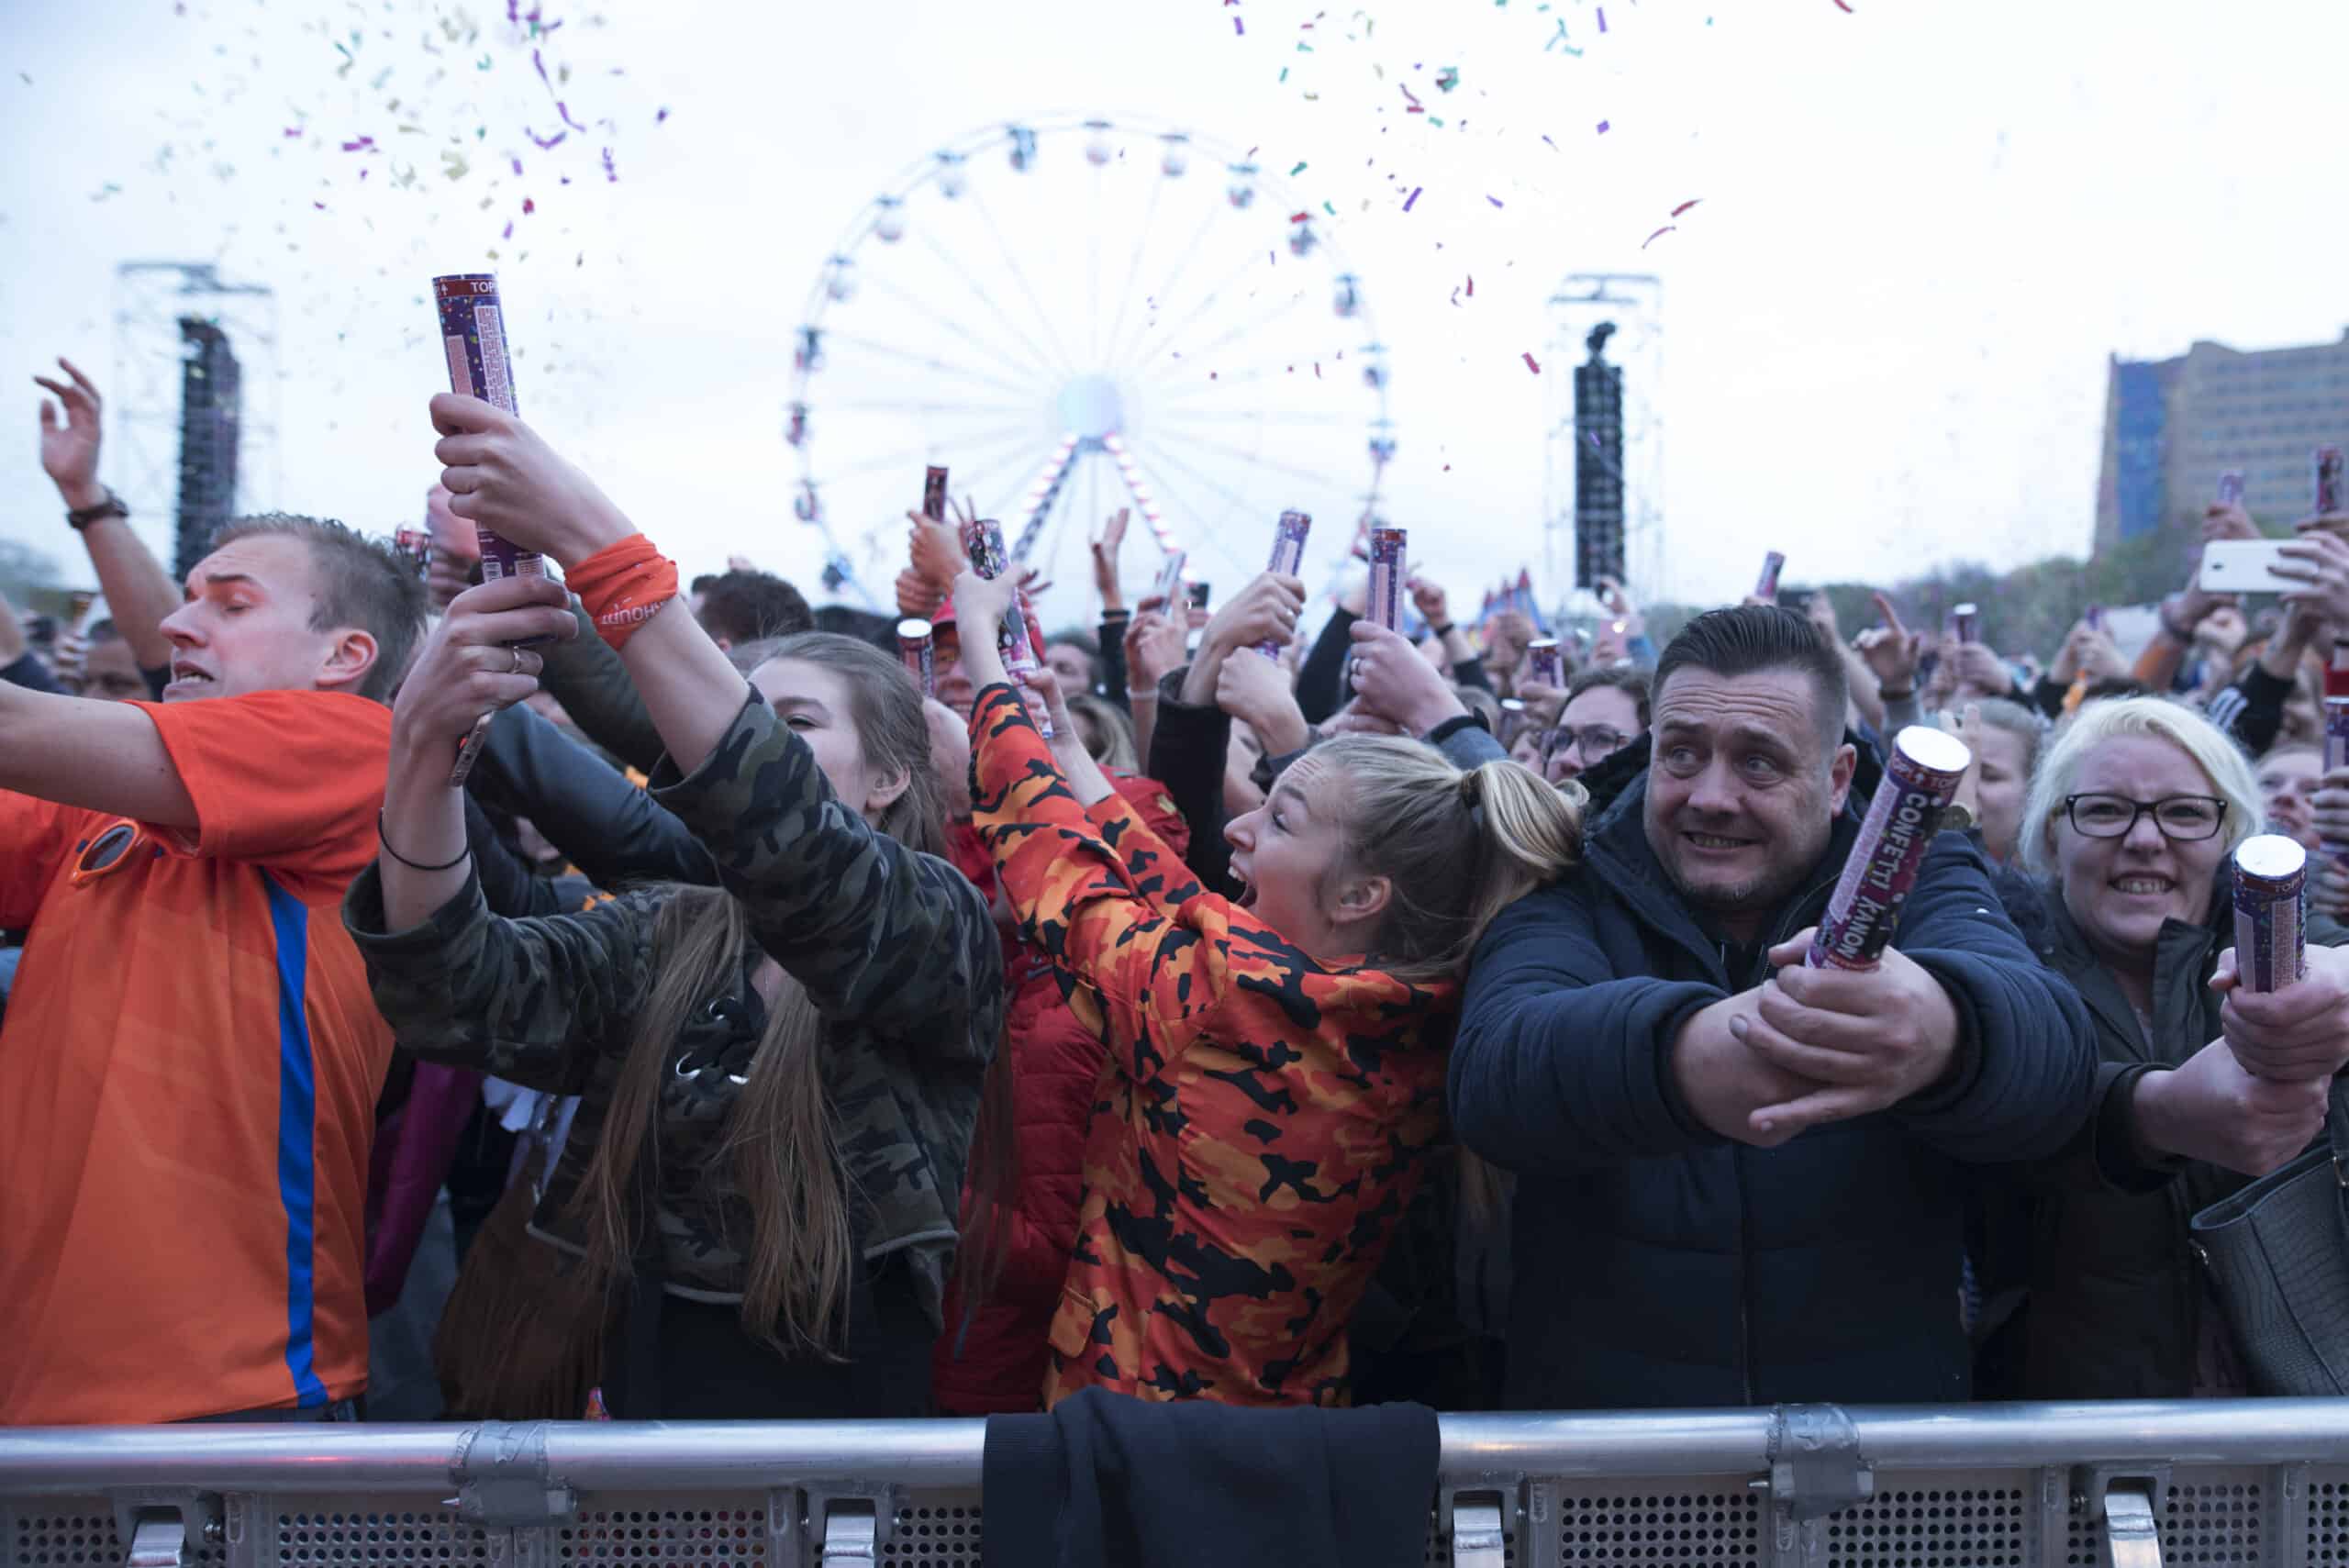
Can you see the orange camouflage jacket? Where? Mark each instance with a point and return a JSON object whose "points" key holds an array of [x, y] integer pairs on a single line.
{"points": [[1263, 1121]]}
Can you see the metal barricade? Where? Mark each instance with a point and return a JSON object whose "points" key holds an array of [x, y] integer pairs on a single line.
{"points": [[2263, 1483]]}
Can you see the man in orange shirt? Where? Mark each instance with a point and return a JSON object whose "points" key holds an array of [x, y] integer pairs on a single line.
{"points": [[190, 1060]]}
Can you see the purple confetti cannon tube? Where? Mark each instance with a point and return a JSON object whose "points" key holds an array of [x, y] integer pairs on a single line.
{"points": [[2329, 493], [2231, 487], [2271, 912], [1968, 621], [1545, 663], [1919, 783], [983, 542], [933, 494], [473, 328], [1513, 720], [1388, 548], [1288, 558], [917, 650], [1766, 587]]}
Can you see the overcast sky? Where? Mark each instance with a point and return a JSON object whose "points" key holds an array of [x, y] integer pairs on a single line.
{"points": [[1920, 227]]}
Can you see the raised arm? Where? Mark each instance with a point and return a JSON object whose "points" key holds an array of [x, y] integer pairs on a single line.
{"points": [[138, 592], [871, 928], [104, 756]]}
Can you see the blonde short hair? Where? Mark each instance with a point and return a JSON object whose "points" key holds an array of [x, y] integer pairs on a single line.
{"points": [[2127, 718]]}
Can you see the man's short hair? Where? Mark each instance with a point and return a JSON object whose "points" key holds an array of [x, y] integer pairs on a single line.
{"points": [[1629, 679], [701, 583], [750, 606], [360, 583], [1746, 640]]}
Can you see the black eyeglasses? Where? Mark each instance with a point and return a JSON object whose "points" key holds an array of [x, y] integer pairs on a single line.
{"points": [[1595, 742], [2181, 819]]}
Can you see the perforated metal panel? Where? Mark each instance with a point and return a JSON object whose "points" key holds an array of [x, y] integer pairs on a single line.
{"points": [[72, 1533], [940, 1529], [2209, 1518], [717, 1530], [1959, 1521], [348, 1533], [1720, 1526], [2327, 1533]]}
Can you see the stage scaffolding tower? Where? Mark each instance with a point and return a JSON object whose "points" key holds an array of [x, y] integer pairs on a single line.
{"points": [[1633, 306], [191, 427]]}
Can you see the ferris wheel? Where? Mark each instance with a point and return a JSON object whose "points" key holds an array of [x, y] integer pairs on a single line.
{"points": [[1076, 315]]}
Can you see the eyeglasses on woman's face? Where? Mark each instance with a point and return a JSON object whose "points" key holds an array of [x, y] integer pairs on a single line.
{"points": [[2180, 819]]}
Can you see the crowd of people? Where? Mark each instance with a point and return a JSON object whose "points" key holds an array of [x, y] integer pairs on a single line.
{"points": [[1208, 1010]]}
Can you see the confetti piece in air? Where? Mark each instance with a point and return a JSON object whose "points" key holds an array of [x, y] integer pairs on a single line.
{"points": [[1292, 174], [1472, 286], [293, 131], [556, 140], [1602, 19], [1238, 28], [661, 119], [1299, 217], [528, 207], [1657, 235], [510, 230], [1412, 197], [1447, 79], [360, 144], [610, 173], [1838, 6], [1532, 363], [1494, 200], [1683, 206], [1602, 130]]}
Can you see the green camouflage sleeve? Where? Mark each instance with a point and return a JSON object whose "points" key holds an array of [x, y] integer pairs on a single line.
{"points": [[878, 933], [535, 1001]]}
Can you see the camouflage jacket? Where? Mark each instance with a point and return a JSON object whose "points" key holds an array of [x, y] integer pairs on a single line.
{"points": [[1264, 1120], [895, 948]]}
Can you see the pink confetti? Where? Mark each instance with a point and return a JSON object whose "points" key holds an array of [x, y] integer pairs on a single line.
{"points": [[1845, 9], [1299, 217], [1412, 197], [1683, 206], [1532, 363], [360, 144], [528, 207], [1657, 235], [1472, 286]]}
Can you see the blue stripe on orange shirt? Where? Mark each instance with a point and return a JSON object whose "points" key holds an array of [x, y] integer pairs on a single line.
{"points": [[296, 1105]]}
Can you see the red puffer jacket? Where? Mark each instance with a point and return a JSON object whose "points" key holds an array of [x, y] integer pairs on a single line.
{"points": [[1055, 1063]]}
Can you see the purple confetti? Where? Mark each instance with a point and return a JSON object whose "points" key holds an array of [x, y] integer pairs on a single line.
{"points": [[564, 110], [1238, 27], [1494, 200], [1412, 197], [610, 173], [360, 144], [1554, 146], [518, 166], [1602, 127], [510, 230], [295, 131], [662, 118], [1602, 19], [556, 140]]}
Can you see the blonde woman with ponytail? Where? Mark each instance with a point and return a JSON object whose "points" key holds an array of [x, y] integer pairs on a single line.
{"points": [[780, 1076], [1277, 1059]]}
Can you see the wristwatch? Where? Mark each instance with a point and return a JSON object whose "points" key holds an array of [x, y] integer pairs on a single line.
{"points": [[1957, 817], [113, 506]]}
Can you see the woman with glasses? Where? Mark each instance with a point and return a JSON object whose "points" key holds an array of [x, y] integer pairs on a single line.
{"points": [[1605, 711], [2133, 819]]}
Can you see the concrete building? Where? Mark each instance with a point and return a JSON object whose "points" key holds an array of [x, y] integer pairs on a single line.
{"points": [[2172, 426]]}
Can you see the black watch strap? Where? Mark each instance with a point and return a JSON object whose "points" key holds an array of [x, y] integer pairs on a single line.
{"points": [[113, 506]]}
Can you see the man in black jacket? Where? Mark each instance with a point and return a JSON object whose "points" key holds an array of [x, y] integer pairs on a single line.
{"points": [[1740, 1180]]}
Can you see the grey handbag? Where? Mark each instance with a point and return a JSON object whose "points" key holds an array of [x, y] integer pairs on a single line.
{"points": [[2278, 1254]]}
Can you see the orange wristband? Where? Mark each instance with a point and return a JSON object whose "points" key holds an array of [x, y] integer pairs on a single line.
{"points": [[623, 586]]}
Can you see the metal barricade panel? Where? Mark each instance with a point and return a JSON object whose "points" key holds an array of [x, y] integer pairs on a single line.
{"points": [[717, 1529], [1945, 1519], [1717, 1524], [935, 1530], [2213, 1519], [2327, 1539], [359, 1532], [75, 1532]]}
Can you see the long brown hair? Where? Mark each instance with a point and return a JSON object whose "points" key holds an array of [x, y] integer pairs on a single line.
{"points": [[780, 1135]]}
